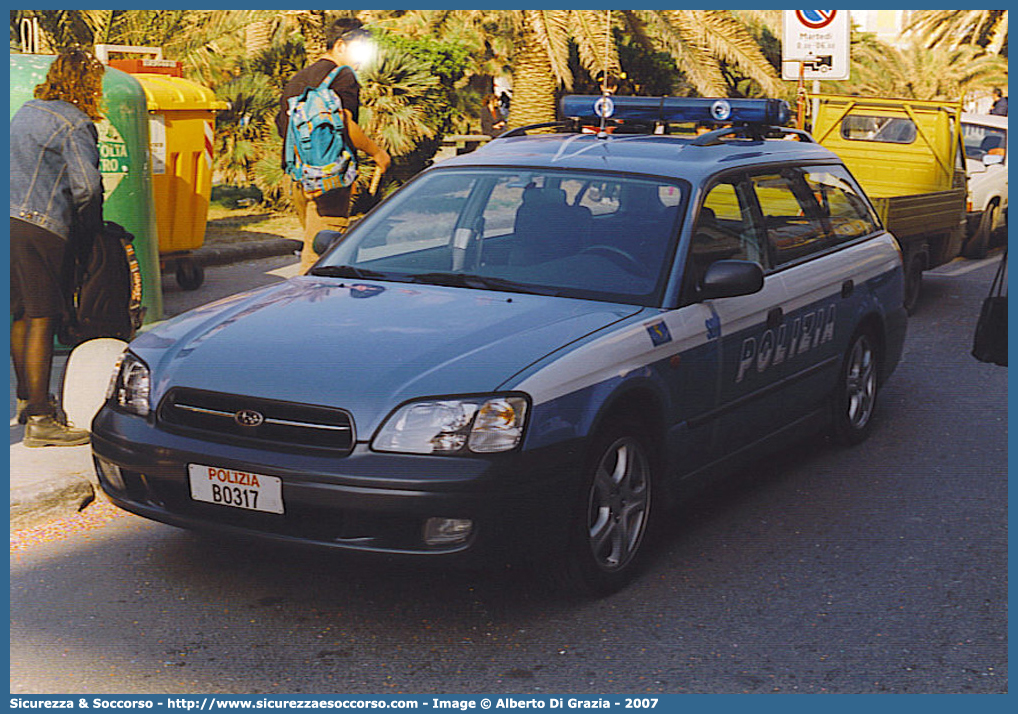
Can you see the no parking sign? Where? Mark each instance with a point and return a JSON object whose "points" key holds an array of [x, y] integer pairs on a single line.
{"points": [[819, 40]]}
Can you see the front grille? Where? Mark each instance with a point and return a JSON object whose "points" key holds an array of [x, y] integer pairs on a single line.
{"points": [[270, 424]]}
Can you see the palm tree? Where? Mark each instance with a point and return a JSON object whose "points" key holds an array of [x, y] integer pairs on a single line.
{"points": [[922, 73], [953, 28], [701, 42], [241, 129], [279, 61], [204, 40], [395, 97], [64, 28]]}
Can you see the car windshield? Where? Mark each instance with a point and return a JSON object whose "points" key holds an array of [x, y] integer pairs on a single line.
{"points": [[573, 234]]}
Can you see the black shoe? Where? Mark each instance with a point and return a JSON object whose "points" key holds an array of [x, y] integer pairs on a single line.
{"points": [[47, 431]]}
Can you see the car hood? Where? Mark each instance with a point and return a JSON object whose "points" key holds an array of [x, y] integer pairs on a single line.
{"points": [[365, 347]]}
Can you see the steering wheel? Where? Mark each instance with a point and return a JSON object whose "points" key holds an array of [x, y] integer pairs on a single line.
{"points": [[618, 256]]}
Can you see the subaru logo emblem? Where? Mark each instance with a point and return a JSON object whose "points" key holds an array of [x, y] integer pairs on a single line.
{"points": [[248, 417]]}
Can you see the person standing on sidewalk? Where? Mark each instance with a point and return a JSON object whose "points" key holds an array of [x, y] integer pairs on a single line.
{"points": [[345, 39], [56, 201], [999, 107]]}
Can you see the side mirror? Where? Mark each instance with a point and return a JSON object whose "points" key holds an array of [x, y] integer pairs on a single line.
{"points": [[730, 278], [324, 240], [992, 159]]}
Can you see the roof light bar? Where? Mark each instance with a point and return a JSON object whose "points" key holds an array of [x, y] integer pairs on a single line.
{"points": [[774, 112]]}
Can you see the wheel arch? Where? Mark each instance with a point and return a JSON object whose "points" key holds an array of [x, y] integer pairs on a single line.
{"points": [[873, 324], [639, 402]]}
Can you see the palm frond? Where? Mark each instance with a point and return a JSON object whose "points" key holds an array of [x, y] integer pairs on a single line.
{"points": [[592, 31], [551, 29], [678, 34]]}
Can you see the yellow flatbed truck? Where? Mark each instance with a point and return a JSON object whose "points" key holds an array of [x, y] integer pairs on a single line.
{"points": [[908, 156]]}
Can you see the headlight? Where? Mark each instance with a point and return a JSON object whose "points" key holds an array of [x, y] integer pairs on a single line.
{"points": [[450, 426], [130, 385]]}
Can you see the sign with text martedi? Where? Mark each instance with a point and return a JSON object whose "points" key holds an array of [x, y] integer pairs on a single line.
{"points": [[819, 41]]}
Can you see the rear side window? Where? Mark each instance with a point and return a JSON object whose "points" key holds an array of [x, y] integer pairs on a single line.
{"points": [[808, 210], [843, 210], [791, 221]]}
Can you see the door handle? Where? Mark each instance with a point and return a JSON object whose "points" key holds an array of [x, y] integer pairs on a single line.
{"points": [[774, 317], [847, 288]]}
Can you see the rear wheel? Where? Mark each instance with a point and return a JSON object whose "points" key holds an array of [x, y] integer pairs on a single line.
{"points": [[979, 244], [856, 397], [914, 281], [610, 514], [190, 275]]}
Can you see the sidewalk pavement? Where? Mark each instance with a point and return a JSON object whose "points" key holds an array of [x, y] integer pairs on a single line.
{"points": [[53, 482]]}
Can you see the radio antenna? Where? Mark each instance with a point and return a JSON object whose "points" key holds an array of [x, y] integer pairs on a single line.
{"points": [[605, 83]]}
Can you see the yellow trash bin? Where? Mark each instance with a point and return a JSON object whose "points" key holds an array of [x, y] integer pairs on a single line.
{"points": [[181, 117]]}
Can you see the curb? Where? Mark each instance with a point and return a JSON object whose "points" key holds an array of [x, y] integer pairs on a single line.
{"points": [[52, 482], [223, 253]]}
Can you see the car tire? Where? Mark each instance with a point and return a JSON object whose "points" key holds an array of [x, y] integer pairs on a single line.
{"points": [[914, 281], [610, 514], [979, 244], [190, 275], [855, 400]]}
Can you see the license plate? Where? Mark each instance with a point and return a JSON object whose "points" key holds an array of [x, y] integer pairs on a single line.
{"points": [[239, 489]]}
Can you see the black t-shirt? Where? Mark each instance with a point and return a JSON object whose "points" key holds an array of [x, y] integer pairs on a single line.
{"points": [[346, 87]]}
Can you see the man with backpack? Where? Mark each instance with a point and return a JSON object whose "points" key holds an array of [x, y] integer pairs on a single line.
{"points": [[321, 193]]}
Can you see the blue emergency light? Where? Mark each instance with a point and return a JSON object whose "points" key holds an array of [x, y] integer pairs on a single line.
{"points": [[772, 112]]}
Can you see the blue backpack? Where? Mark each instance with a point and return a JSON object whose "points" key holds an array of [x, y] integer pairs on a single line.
{"points": [[316, 149]]}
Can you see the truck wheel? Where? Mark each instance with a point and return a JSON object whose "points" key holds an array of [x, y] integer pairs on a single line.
{"points": [[979, 244], [856, 397], [610, 514], [914, 281], [190, 275]]}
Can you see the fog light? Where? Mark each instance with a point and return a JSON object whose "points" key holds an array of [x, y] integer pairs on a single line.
{"points": [[110, 472], [447, 531]]}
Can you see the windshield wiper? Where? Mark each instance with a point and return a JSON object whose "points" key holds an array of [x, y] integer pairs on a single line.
{"points": [[348, 271], [483, 282]]}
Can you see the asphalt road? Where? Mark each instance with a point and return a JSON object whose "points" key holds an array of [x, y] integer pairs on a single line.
{"points": [[880, 568]]}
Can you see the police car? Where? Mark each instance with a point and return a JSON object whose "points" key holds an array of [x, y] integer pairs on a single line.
{"points": [[535, 345]]}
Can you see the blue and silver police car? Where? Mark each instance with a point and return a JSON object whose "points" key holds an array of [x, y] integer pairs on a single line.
{"points": [[537, 344]]}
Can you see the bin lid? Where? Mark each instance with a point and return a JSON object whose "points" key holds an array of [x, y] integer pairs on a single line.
{"points": [[166, 93]]}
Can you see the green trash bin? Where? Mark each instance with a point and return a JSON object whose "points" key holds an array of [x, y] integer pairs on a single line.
{"points": [[123, 162]]}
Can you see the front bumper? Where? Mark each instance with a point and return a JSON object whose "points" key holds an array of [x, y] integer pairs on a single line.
{"points": [[366, 501]]}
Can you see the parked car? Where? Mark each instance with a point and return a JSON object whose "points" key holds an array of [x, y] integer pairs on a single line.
{"points": [[907, 154], [985, 139], [532, 348]]}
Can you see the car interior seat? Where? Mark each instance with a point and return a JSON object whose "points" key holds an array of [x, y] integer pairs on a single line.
{"points": [[992, 144], [546, 227]]}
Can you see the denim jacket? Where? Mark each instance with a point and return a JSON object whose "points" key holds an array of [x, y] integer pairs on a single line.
{"points": [[55, 179]]}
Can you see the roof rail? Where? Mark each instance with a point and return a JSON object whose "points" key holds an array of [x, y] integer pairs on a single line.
{"points": [[522, 130], [758, 132]]}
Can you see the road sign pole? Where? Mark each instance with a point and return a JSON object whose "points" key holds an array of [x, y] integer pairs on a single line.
{"points": [[800, 97]]}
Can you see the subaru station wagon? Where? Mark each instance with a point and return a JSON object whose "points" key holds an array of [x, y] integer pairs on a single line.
{"points": [[531, 348]]}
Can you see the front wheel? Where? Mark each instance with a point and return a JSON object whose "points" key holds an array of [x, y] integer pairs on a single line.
{"points": [[856, 398], [611, 514]]}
